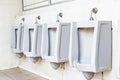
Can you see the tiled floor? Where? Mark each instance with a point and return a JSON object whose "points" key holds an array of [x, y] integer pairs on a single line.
{"points": [[18, 74]]}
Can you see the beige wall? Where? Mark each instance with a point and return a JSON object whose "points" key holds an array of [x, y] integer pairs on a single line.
{"points": [[8, 10]]}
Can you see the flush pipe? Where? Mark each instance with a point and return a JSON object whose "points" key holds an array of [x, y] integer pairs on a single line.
{"points": [[35, 59], [20, 55], [55, 65], [90, 75]]}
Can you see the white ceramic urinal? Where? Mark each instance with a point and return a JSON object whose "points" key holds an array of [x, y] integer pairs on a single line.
{"points": [[90, 46], [33, 38], [56, 37]]}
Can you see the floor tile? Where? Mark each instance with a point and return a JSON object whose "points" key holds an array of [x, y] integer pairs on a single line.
{"points": [[19, 74]]}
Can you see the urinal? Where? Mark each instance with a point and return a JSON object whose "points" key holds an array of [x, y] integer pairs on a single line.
{"points": [[17, 40], [33, 37], [90, 47], [55, 43]]}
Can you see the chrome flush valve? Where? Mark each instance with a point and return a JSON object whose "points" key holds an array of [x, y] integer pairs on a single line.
{"points": [[93, 11], [60, 15], [37, 19], [22, 21]]}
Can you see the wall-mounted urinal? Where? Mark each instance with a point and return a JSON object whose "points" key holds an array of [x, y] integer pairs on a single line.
{"points": [[90, 47], [33, 37], [17, 40], [55, 46]]}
